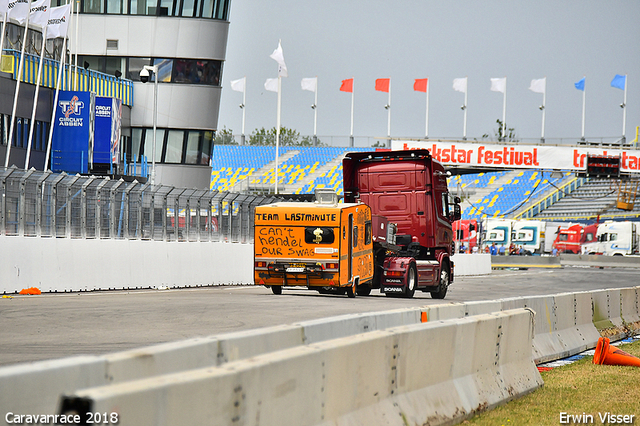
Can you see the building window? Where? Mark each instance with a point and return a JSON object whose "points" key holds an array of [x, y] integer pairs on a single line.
{"points": [[173, 146], [216, 9]]}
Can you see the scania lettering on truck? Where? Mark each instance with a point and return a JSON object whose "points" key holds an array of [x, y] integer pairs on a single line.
{"points": [[392, 232]]}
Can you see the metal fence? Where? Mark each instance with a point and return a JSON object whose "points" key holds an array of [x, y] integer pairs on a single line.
{"points": [[45, 204]]}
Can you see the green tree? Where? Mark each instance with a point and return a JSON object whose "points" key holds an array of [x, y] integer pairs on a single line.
{"points": [[288, 137], [508, 136], [224, 136]]}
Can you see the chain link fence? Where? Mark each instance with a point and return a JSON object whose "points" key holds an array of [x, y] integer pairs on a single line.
{"points": [[45, 204]]}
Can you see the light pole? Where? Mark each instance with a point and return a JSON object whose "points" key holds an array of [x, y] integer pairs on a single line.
{"points": [[144, 77]]}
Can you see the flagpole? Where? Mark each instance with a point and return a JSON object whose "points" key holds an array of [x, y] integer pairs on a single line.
{"points": [[584, 92], [68, 73], [35, 99], [389, 115], [244, 105], [504, 110], [544, 106], [315, 116], [75, 80], [278, 126], [4, 28], [624, 112], [351, 134], [426, 125], [466, 89], [63, 57], [17, 91]]}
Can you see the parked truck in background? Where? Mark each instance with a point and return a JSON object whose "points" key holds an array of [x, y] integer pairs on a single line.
{"points": [[497, 231], [392, 232], [614, 239], [570, 239], [465, 234]]}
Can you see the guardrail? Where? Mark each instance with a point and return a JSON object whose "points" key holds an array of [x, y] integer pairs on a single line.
{"points": [[596, 261], [356, 368]]}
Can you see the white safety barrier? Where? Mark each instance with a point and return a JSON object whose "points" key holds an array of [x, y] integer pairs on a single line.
{"points": [[630, 300], [481, 362], [472, 264], [64, 264]]}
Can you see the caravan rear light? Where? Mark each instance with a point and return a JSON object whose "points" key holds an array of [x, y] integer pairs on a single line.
{"points": [[261, 264], [332, 266]]}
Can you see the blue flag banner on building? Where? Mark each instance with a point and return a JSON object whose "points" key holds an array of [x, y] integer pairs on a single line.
{"points": [[580, 84], [72, 142], [106, 147], [619, 81]]}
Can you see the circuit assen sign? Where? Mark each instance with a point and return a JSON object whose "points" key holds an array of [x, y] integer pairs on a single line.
{"points": [[518, 156]]}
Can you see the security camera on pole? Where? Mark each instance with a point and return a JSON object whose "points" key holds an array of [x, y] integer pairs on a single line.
{"points": [[144, 77]]}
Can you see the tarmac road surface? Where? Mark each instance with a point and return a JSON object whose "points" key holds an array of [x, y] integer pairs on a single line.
{"points": [[59, 325]]}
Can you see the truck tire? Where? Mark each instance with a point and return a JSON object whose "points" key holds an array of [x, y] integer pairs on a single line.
{"points": [[441, 292], [276, 289], [412, 278], [363, 290], [351, 290]]}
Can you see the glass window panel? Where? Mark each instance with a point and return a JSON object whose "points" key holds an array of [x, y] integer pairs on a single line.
{"points": [[138, 7], [115, 6], [112, 63], [136, 142], [207, 148], [148, 145], [175, 141], [92, 6], [151, 7], [188, 7], [193, 142], [168, 7], [165, 67], [135, 65], [211, 72], [207, 9]]}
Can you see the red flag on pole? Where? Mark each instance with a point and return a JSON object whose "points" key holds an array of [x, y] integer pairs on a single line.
{"points": [[382, 84], [347, 85], [420, 85]]}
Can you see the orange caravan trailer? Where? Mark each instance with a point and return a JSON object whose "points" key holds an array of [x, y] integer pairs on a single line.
{"points": [[324, 246]]}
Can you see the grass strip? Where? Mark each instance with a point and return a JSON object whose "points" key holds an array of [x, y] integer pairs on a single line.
{"points": [[577, 389]]}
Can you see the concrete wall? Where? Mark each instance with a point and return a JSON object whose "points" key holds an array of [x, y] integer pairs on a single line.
{"points": [[62, 264]]}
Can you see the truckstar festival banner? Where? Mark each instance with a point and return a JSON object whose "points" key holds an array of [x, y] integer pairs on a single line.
{"points": [[518, 156]]}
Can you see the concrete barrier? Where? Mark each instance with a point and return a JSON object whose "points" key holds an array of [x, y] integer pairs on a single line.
{"points": [[481, 362], [472, 264], [499, 262], [64, 264], [630, 306], [599, 261]]}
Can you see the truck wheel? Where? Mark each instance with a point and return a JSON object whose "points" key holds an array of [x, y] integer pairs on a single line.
{"points": [[276, 289], [351, 291], [441, 292], [411, 282], [363, 290]]}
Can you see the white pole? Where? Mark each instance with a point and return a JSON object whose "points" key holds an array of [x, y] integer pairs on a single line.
{"points": [[63, 57], [278, 126], [35, 99], [71, 22], [426, 125], [315, 113], [75, 80], [504, 111], [4, 29], [351, 134], [544, 107], [155, 123], [244, 104], [389, 113], [464, 131], [584, 91], [624, 110], [15, 97]]}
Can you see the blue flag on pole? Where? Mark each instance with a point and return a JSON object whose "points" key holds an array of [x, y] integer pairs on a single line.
{"points": [[580, 84], [619, 81]]}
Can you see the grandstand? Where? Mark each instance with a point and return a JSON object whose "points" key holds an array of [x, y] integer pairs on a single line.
{"points": [[511, 194]]}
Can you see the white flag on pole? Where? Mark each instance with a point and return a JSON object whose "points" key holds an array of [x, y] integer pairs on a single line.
{"points": [[4, 7], [18, 10], [460, 84], [271, 84], [238, 85], [278, 56], [499, 84], [539, 85], [40, 10], [310, 84], [58, 21]]}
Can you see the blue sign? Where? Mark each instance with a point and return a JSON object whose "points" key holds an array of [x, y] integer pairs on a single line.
{"points": [[72, 143], [106, 147]]}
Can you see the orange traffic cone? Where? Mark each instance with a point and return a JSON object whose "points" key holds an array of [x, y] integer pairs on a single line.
{"points": [[610, 355]]}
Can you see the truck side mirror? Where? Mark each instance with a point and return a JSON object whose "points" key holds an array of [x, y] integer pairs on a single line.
{"points": [[455, 214]]}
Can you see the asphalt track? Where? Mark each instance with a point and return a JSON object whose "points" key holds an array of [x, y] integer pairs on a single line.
{"points": [[52, 326]]}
